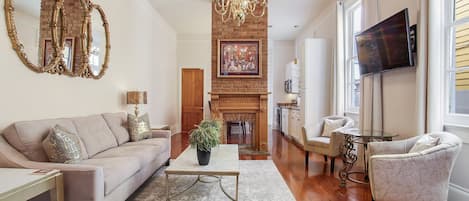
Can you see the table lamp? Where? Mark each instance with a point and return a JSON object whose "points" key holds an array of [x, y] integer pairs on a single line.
{"points": [[136, 98]]}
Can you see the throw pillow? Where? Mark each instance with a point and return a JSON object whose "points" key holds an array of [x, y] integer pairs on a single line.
{"points": [[425, 142], [62, 146], [139, 127], [330, 126]]}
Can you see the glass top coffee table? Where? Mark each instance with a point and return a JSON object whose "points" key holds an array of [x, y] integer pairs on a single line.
{"points": [[224, 161]]}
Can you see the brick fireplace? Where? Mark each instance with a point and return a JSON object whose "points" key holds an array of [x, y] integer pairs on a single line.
{"points": [[241, 99], [243, 106]]}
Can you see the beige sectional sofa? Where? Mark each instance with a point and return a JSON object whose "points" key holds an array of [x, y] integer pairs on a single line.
{"points": [[113, 168]]}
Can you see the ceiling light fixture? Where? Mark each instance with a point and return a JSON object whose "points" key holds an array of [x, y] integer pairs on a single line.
{"points": [[237, 10]]}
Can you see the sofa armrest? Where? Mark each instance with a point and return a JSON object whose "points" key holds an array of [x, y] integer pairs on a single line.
{"points": [[393, 147], [161, 133], [81, 182], [412, 176]]}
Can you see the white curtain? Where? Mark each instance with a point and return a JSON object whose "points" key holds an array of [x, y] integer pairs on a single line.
{"points": [[422, 69], [339, 67], [435, 78]]}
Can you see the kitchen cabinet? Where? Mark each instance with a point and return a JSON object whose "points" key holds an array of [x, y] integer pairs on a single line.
{"points": [[294, 125]]}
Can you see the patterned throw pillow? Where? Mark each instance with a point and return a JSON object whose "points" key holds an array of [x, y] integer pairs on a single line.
{"points": [[425, 142], [62, 146], [139, 127], [331, 125]]}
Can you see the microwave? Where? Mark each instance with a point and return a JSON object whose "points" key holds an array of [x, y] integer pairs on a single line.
{"points": [[288, 86]]}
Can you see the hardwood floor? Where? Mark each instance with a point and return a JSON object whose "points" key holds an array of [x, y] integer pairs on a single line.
{"points": [[314, 183]]}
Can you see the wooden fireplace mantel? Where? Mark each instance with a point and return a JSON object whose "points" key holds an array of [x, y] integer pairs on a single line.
{"points": [[225, 104], [239, 93]]}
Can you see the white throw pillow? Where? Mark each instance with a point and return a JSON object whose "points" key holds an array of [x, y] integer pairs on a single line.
{"points": [[331, 125], [425, 142]]}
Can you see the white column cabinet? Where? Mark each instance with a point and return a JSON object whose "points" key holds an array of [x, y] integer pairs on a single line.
{"points": [[315, 82]]}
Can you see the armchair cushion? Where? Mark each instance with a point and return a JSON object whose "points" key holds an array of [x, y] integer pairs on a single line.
{"points": [[330, 125], [319, 141], [425, 142]]}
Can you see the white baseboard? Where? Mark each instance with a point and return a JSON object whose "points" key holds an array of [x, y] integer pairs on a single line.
{"points": [[457, 193]]}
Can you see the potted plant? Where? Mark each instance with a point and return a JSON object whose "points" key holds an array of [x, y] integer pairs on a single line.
{"points": [[204, 138]]}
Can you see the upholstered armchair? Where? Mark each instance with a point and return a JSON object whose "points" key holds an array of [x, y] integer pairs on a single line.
{"points": [[397, 175], [327, 146]]}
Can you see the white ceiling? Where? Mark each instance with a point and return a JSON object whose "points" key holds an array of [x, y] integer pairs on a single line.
{"points": [[186, 16], [194, 16], [285, 14]]}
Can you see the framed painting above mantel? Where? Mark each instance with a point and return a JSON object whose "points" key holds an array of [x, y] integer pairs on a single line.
{"points": [[239, 58]]}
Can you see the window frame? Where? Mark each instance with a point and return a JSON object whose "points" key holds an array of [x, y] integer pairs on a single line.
{"points": [[349, 58], [450, 69]]}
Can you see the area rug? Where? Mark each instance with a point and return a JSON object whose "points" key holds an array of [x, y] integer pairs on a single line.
{"points": [[258, 181], [247, 150]]}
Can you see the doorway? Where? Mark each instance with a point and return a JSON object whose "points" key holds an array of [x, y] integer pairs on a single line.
{"points": [[192, 98]]}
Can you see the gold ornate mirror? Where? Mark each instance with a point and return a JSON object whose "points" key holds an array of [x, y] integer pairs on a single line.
{"points": [[33, 31], [97, 43], [68, 37], [72, 27]]}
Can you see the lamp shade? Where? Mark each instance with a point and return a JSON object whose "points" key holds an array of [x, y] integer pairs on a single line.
{"points": [[136, 97]]}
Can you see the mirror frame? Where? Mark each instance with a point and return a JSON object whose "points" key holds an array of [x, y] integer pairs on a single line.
{"points": [[88, 39], [18, 45]]}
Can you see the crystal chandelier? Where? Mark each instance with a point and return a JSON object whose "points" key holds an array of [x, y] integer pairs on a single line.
{"points": [[237, 10]]}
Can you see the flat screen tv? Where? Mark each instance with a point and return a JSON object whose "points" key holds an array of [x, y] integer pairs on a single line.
{"points": [[386, 45]]}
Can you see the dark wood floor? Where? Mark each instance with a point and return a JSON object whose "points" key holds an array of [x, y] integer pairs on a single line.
{"points": [[314, 183]]}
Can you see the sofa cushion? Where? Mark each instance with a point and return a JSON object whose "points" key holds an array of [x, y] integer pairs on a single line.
{"points": [[117, 122], [62, 146], [319, 141], [116, 170], [27, 136], [95, 134], [139, 127], [145, 154]]}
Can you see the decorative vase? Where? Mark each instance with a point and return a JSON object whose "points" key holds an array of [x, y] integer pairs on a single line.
{"points": [[203, 157]]}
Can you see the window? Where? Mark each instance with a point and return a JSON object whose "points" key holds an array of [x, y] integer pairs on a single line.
{"points": [[457, 62], [352, 70]]}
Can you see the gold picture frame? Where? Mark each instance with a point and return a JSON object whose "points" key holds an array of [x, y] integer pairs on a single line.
{"points": [[239, 58]]}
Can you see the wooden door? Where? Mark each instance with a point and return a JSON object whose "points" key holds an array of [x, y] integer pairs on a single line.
{"points": [[192, 98]]}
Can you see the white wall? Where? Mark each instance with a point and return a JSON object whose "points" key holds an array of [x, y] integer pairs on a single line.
{"points": [[143, 56], [283, 52], [325, 27], [400, 98], [399, 86], [195, 51]]}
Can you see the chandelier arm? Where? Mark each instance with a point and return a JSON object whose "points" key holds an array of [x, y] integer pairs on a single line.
{"points": [[261, 15]]}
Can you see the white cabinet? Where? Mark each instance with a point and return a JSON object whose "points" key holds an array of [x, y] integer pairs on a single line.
{"points": [[285, 118], [294, 125], [315, 91]]}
